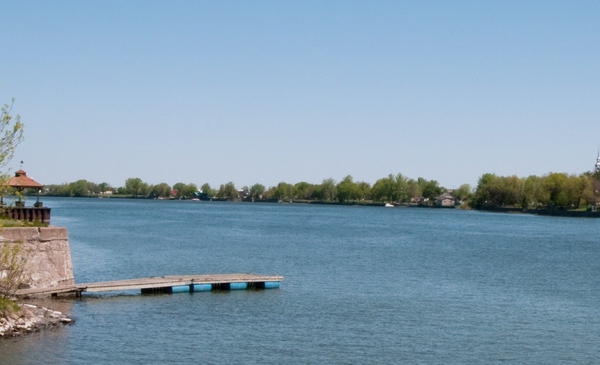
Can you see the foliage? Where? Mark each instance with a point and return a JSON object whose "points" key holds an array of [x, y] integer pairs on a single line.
{"points": [[554, 190], [430, 189], [206, 189], [348, 190], [463, 192], [11, 133], [228, 191], [328, 190], [284, 191], [256, 191], [184, 191], [303, 190], [136, 187], [162, 190], [12, 266], [7, 306], [391, 189]]}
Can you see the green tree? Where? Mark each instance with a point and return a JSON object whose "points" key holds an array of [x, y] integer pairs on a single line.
{"points": [[400, 188], [162, 190], [364, 189], [303, 190], [413, 190], [430, 189], [555, 186], [284, 191], [256, 191], [484, 195], [347, 190], [12, 273], [228, 191], [206, 189], [79, 188], [184, 191], [384, 189], [104, 187], [463, 192], [136, 187], [328, 191], [11, 133]]}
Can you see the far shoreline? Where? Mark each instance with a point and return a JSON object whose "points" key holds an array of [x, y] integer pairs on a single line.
{"points": [[556, 212]]}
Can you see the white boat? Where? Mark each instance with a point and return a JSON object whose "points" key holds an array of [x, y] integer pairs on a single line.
{"points": [[388, 205]]}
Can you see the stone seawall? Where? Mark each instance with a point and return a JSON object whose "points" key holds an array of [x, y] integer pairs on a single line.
{"points": [[47, 253]]}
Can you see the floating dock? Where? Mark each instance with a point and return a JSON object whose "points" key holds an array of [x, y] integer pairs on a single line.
{"points": [[165, 284]]}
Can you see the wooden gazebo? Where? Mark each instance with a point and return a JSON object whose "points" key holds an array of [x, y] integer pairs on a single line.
{"points": [[21, 182]]}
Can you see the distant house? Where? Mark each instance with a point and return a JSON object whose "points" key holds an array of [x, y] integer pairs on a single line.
{"points": [[445, 200]]}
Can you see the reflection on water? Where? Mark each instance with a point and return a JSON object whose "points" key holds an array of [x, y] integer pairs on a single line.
{"points": [[46, 346]]}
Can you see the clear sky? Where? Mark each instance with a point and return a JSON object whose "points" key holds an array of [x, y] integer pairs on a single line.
{"points": [[269, 91]]}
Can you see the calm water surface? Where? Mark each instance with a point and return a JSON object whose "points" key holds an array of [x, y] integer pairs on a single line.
{"points": [[363, 285]]}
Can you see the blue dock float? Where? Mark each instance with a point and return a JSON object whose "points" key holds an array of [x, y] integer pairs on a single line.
{"points": [[201, 287], [271, 284], [238, 286], [180, 289]]}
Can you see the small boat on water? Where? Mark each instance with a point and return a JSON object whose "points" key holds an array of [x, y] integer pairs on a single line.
{"points": [[388, 205]]}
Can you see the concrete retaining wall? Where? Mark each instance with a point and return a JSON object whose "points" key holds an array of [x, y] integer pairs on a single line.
{"points": [[47, 252]]}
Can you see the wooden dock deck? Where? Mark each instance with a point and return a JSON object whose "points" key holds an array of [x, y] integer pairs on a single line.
{"points": [[165, 284]]}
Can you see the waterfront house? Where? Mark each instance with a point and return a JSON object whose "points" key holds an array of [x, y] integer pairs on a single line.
{"points": [[445, 200]]}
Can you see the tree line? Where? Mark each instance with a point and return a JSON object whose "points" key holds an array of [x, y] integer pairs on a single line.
{"points": [[554, 190], [392, 189]]}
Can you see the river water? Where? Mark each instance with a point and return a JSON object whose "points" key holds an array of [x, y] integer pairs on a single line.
{"points": [[363, 285]]}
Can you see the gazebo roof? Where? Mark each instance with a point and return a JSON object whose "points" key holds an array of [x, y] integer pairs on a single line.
{"points": [[21, 180]]}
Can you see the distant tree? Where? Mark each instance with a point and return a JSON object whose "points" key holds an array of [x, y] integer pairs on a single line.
{"points": [[401, 188], [498, 191], [184, 191], [206, 189], [430, 189], [387, 189], [228, 191], [565, 191], [284, 191], [303, 190], [463, 192], [413, 190], [269, 193], [256, 191], [190, 190], [134, 186], [529, 187], [555, 185], [347, 190], [328, 190], [162, 190], [104, 187], [93, 188], [364, 189], [79, 188], [578, 190]]}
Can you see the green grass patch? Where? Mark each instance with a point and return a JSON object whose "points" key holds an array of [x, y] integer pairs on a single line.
{"points": [[15, 223], [8, 306]]}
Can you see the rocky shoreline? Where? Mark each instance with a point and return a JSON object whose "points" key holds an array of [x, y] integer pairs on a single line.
{"points": [[31, 319]]}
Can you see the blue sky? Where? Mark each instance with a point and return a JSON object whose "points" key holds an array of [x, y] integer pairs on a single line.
{"points": [[270, 91]]}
